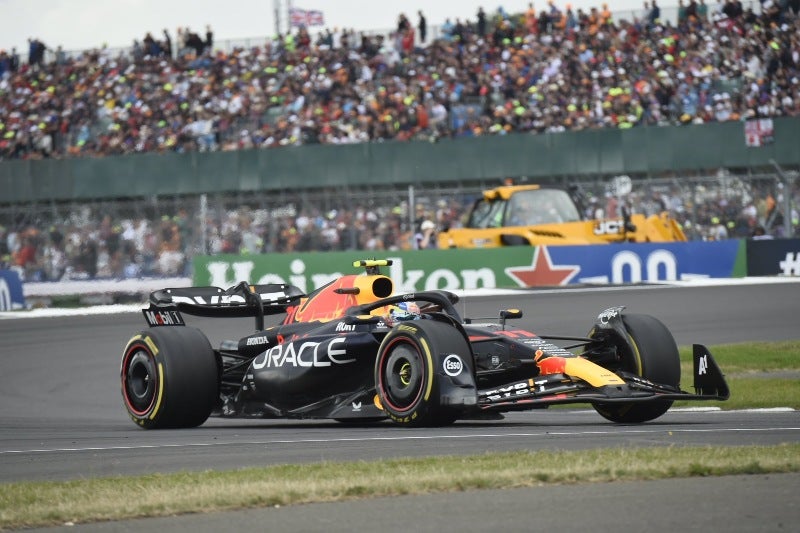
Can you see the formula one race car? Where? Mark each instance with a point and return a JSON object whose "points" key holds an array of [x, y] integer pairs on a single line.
{"points": [[353, 351]]}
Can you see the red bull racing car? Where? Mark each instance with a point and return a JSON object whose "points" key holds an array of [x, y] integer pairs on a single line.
{"points": [[354, 351]]}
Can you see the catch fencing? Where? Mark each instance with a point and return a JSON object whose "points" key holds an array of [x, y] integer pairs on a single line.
{"points": [[701, 204]]}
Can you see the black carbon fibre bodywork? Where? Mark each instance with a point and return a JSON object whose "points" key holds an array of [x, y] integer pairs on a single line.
{"points": [[338, 354]]}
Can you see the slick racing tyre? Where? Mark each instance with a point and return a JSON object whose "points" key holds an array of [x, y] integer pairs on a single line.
{"points": [[169, 378], [650, 352], [405, 372]]}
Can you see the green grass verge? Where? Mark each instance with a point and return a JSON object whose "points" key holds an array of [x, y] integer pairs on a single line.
{"points": [[35, 504], [41, 504], [751, 357], [760, 375]]}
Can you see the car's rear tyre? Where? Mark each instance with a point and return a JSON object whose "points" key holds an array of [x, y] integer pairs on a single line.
{"points": [[650, 352], [169, 378], [405, 376]]}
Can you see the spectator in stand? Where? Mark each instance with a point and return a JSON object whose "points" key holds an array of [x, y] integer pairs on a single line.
{"points": [[481, 25], [13, 61], [644, 15], [209, 48], [370, 93], [26, 255], [702, 12], [151, 47], [166, 44], [36, 49], [530, 20], [192, 43], [655, 15], [425, 237], [422, 27], [759, 233], [691, 12]]}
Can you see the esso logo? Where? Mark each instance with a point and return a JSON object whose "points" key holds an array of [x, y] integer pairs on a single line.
{"points": [[452, 365]]}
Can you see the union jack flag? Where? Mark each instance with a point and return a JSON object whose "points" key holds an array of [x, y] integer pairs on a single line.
{"points": [[305, 17]]}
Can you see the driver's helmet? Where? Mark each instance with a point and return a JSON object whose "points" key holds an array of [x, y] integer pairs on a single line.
{"points": [[404, 311]]}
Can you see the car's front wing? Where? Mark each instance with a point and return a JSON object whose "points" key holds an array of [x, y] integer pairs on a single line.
{"points": [[543, 390]]}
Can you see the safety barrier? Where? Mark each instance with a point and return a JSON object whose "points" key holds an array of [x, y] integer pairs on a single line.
{"points": [[519, 266], [515, 267], [644, 151]]}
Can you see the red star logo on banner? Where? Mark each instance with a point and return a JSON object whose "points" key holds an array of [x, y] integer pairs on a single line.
{"points": [[541, 272]]}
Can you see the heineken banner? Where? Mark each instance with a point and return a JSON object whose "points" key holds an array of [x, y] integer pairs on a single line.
{"points": [[518, 266]]}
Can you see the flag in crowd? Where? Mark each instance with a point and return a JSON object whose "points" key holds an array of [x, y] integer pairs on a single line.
{"points": [[758, 132], [305, 17]]}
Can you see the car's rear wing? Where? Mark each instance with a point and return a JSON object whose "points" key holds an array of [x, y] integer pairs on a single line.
{"points": [[241, 300]]}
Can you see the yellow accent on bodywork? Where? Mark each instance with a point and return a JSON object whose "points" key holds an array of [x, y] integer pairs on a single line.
{"points": [[159, 392], [594, 375], [371, 263], [373, 288]]}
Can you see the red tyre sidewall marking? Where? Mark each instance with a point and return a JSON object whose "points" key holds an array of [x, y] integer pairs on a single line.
{"points": [[132, 349]]}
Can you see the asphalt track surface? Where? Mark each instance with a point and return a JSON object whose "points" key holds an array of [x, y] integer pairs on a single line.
{"points": [[61, 417]]}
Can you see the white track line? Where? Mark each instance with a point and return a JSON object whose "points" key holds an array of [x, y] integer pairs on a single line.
{"points": [[480, 436]]}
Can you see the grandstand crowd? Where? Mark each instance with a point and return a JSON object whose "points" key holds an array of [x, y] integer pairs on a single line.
{"points": [[547, 69]]}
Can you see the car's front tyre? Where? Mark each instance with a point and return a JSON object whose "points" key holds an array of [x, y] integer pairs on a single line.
{"points": [[406, 380], [649, 351]]}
